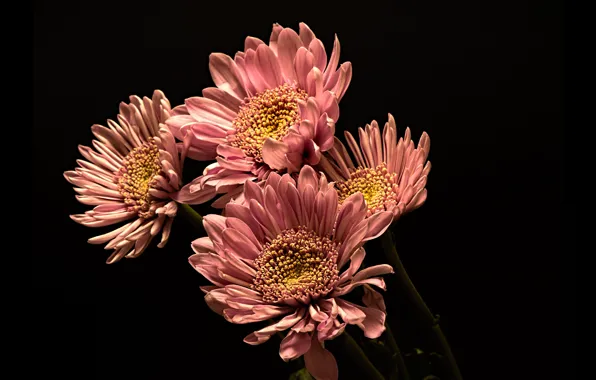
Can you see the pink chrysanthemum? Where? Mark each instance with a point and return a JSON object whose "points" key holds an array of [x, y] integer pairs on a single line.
{"points": [[274, 108], [283, 253], [391, 175], [130, 176]]}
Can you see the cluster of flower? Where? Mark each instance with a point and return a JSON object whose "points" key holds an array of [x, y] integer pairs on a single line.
{"points": [[297, 208]]}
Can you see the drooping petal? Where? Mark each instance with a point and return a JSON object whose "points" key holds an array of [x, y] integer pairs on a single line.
{"points": [[107, 178], [320, 362], [263, 335], [294, 345], [378, 224]]}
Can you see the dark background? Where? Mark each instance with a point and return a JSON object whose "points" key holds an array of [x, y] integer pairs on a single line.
{"points": [[483, 79]]}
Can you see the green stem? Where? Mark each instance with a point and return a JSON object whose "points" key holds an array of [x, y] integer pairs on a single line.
{"points": [[402, 371], [192, 216], [416, 299], [355, 354]]}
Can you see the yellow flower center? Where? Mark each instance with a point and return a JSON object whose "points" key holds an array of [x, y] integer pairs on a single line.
{"points": [[296, 264], [378, 186], [137, 176], [268, 114]]}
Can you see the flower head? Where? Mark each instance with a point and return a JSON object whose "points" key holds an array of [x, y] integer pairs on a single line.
{"points": [[290, 253], [129, 177], [274, 108], [390, 174]]}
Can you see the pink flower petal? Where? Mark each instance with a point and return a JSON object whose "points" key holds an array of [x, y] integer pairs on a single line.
{"points": [[345, 77], [184, 195], [355, 262], [329, 104], [269, 66], [307, 177], [309, 110], [234, 178], [314, 82], [257, 314], [263, 335], [312, 153], [209, 111], [252, 43], [376, 281], [274, 154], [374, 323], [287, 46], [305, 325], [253, 191], [214, 225], [378, 224], [241, 66], [295, 142], [273, 207], [238, 165], [320, 363], [316, 314], [303, 63], [355, 148], [275, 37], [354, 241], [216, 300], [253, 71], [318, 50], [268, 224], [329, 212], [203, 245], [294, 345], [333, 61], [325, 131], [244, 229], [349, 312], [207, 264], [230, 152], [373, 299], [243, 213], [222, 97], [239, 244], [294, 203], [376, 270], [225, 75], [306, 35]]}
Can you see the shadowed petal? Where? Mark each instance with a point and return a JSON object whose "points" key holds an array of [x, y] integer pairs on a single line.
{"points": [[320, 363]]}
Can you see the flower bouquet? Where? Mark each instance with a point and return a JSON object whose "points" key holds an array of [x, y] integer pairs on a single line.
{"points": [[295, 208]]}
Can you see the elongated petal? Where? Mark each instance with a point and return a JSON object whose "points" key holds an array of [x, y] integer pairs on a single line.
{"points": [[225, 75], [320, 363], [294, 345]]}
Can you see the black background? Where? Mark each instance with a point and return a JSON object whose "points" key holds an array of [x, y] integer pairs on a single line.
{"points": [[483, 79]]}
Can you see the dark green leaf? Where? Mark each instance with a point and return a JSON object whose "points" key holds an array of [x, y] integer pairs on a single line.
{"points": [[301, 375]]}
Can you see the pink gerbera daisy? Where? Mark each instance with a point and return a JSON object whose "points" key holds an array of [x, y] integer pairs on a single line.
{"points": [[130, 176], [390, 174], [291, 252], [274, 108]]}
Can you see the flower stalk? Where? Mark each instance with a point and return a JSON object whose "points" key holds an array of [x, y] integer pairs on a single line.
{"points": [[402, 371], [193, 217], [414, 296], [354, 353]]}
